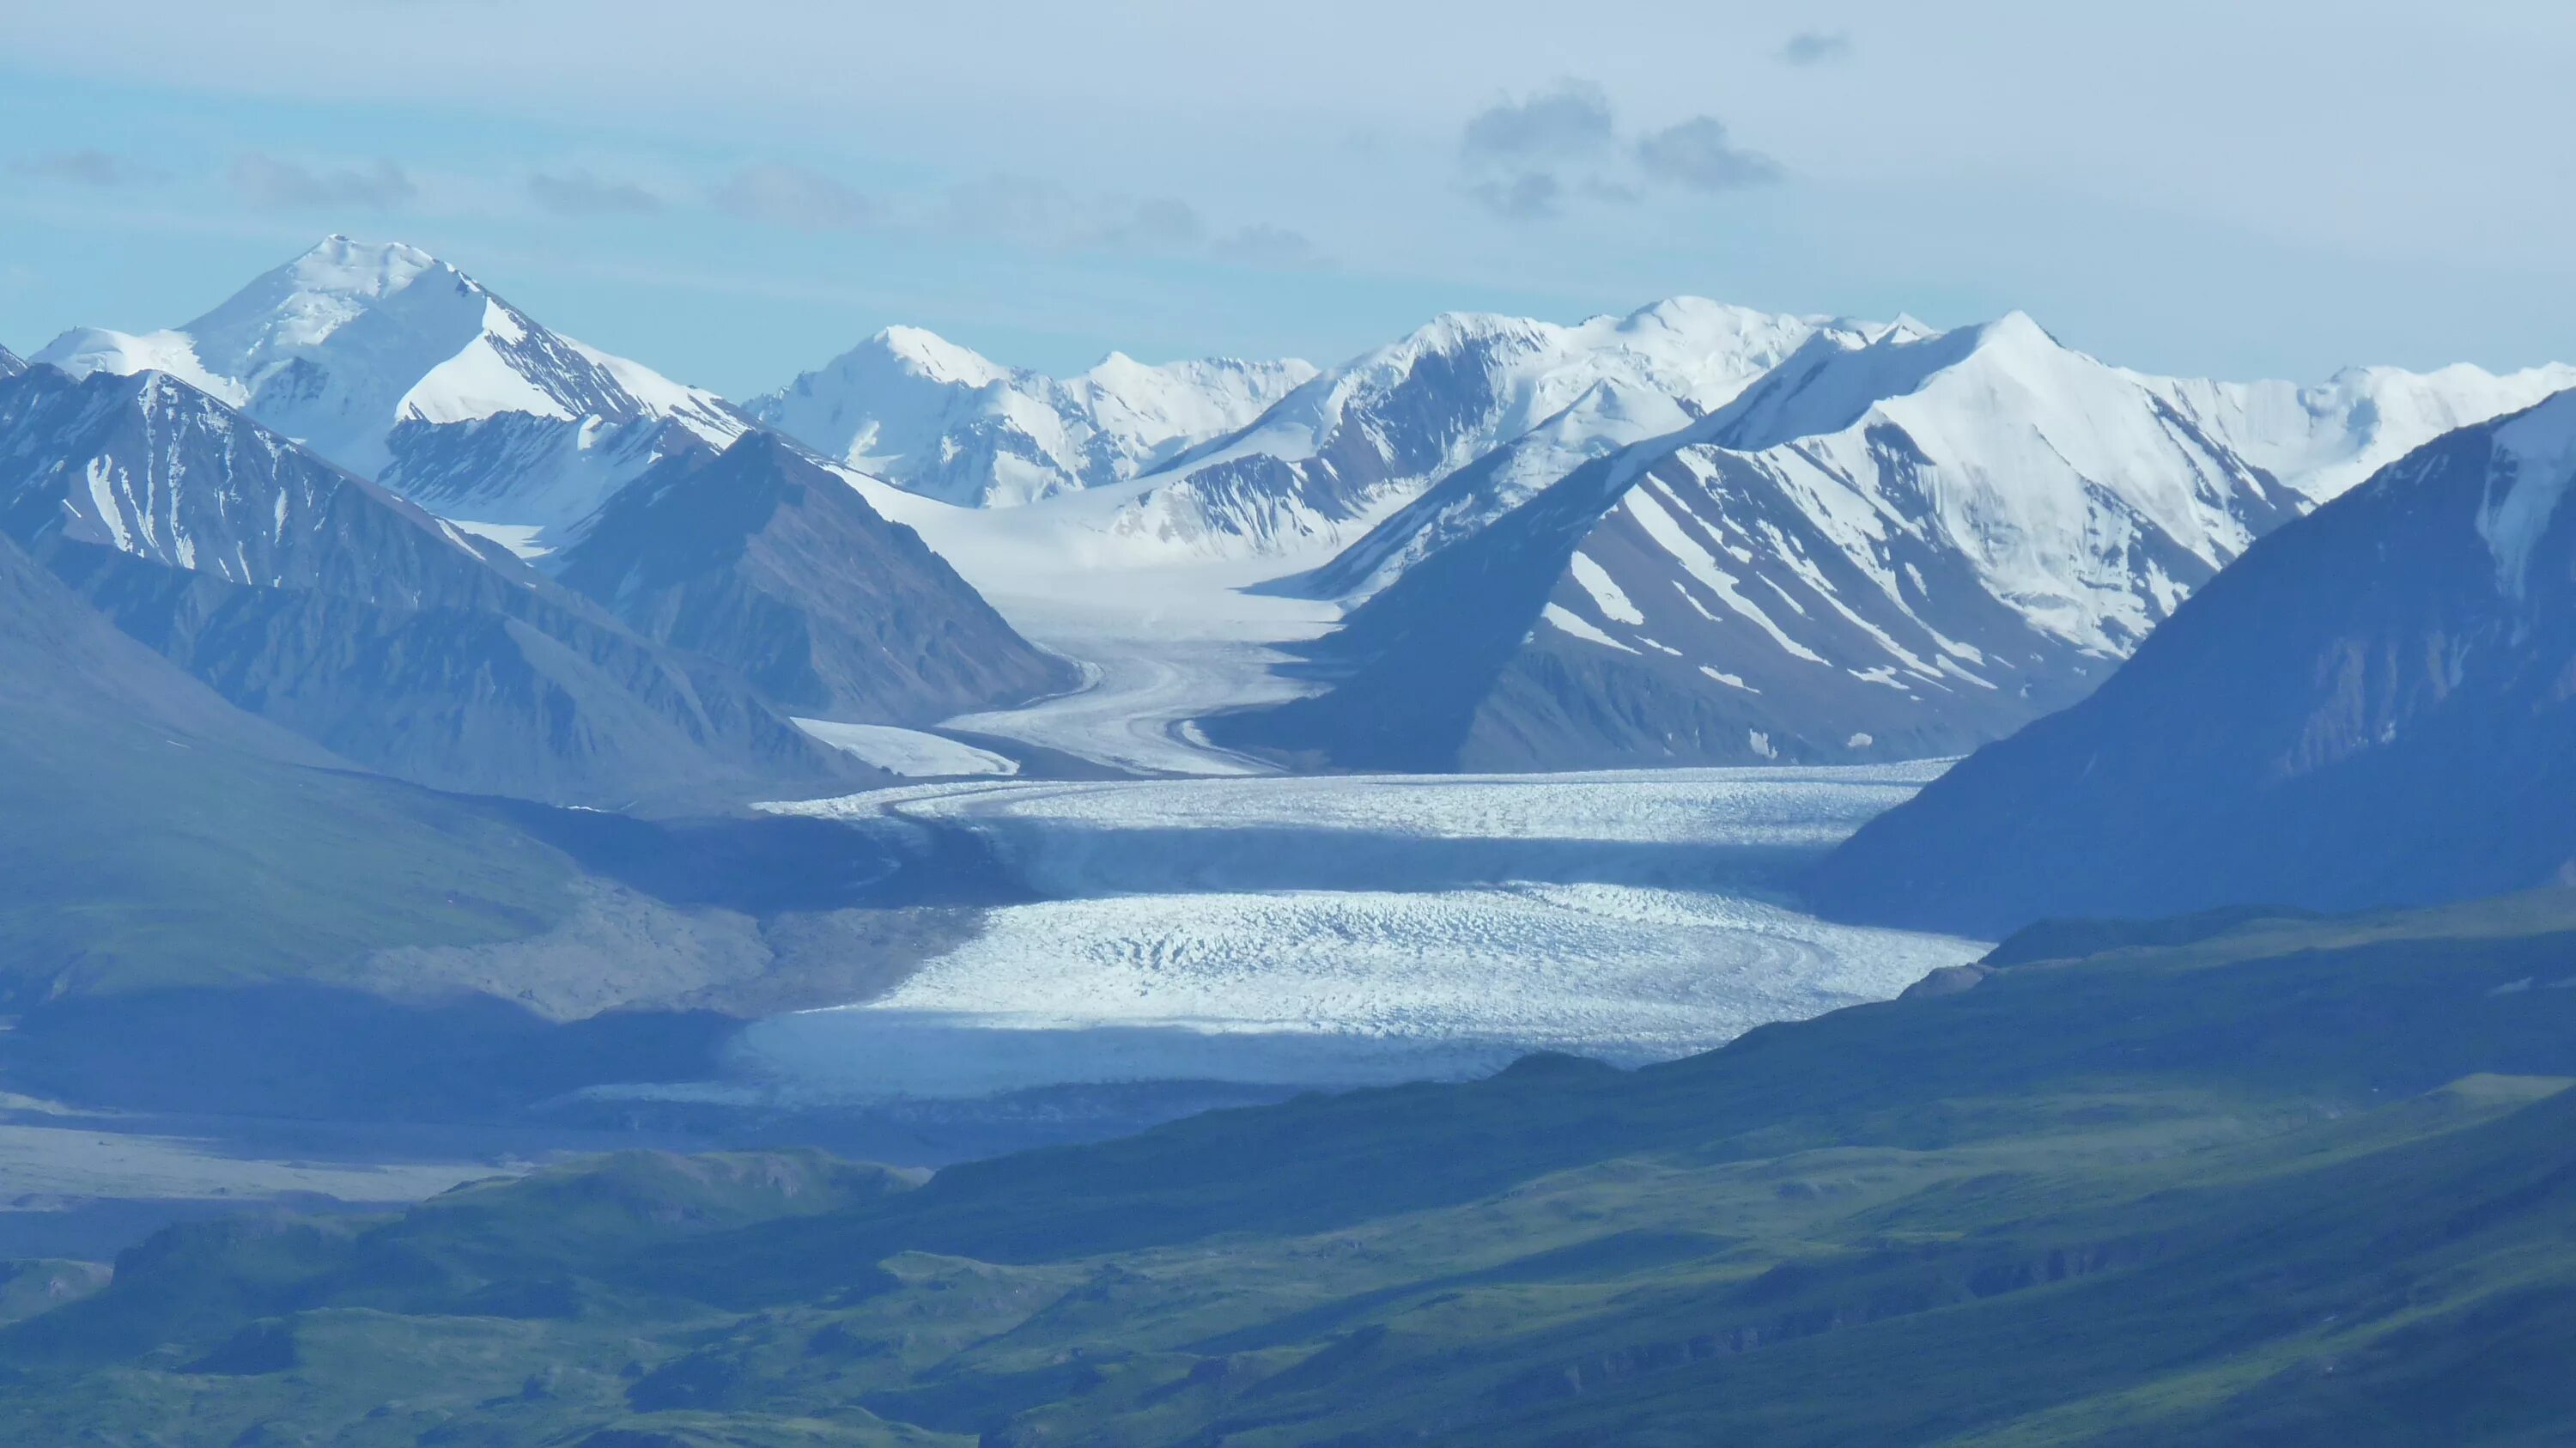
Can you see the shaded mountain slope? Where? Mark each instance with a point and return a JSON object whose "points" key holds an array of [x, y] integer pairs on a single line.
{"points": [[155, 836], [777, 566], [391, 638], [2373, 706]]}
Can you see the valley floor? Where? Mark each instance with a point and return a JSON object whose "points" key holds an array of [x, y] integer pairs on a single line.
{"points": [[1106, 955]]}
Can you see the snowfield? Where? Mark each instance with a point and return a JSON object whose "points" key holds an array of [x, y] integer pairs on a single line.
{"points": [[910, 752], [1339, 931]]}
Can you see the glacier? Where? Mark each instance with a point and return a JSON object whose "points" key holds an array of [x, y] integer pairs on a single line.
{"points": [[1318, 931]]}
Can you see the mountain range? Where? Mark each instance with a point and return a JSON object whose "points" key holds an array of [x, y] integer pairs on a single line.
{"points": [[1671, 522], [2372, 706], [402, 642], [1694, 534], [388, 636], [937, 418], [1896, 545], [1377, 431]]}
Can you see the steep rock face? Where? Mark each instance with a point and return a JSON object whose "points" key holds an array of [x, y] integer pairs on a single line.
{"points": [[939, 420], [2372, 707], [387, 636], [400, 368], [1890, 546], [767, 560], [10, 363]]}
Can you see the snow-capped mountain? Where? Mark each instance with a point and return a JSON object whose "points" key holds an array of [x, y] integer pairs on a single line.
{"points": [[769, 560], [1613, 414], [1386, 427], [1890, 546], [945, 422], [390, 637], [2324, 438], [10, 363], [400, 368], [2370, 708]]}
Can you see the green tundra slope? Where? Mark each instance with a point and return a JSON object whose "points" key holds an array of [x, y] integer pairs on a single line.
{"points": [[2257, 1180], [152, 835]]}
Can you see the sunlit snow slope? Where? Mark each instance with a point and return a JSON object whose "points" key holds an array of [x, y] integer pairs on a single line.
{"points": [[402, 369], [1901, 546], [945, 422]]}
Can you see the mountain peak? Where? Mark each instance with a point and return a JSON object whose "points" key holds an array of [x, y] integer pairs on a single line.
{"points": [[397, 366], [2019, 331], [937, 358], [343, 267]]}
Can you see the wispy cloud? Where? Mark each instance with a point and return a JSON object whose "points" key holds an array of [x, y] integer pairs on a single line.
{"points": [[792, 197], [1269, 248], [266, 181], [1571, 120], [1008, 210], [1698, 156], [1817, 47], [1527, 159], [1521, 196], [1516, 152], [579, 193], [1045, 216], [88, 166]]}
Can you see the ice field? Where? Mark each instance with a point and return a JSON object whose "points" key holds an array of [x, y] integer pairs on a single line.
{"points": [[1342, 930]]}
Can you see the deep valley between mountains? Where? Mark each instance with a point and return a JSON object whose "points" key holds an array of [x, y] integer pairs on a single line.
{"points": [[1690, 875]]}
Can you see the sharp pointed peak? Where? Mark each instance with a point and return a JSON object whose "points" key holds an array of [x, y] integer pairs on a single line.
{"points": [[2019, 329], [934, 356]]}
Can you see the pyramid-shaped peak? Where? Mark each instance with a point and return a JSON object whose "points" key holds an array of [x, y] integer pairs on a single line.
{"points": [[938, 358], [2019, 331]]}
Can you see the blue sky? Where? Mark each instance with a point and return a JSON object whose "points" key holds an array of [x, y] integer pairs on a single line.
{"points": [[734, 193]]}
